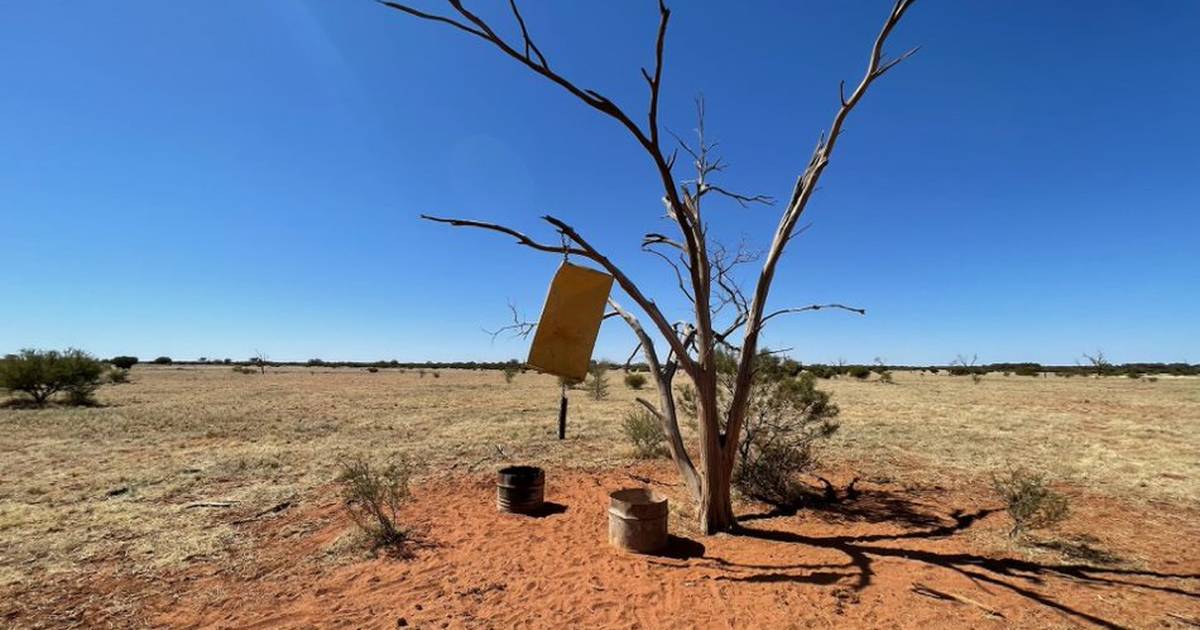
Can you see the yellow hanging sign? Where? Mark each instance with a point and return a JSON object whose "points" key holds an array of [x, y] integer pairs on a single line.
{"points": [[570, 322]]}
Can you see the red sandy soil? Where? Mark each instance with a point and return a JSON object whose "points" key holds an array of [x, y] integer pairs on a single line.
{"points": [[896, 557]]}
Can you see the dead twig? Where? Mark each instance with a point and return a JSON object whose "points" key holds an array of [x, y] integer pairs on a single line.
{"points": [[210, 504], [921, 589]]}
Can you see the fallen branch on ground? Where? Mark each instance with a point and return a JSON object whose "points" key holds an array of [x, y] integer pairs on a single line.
{"points": [[921, 589]]}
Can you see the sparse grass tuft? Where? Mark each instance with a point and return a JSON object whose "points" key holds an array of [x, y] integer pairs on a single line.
{"points": [[372, 496], [645, 431], [1030, 502]]}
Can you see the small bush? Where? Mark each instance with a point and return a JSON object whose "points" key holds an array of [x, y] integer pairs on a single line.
{"points": [[372, 369], [567, 383], [633, 380], [510, 372], [123, 362], [822, 371], [437, 374], [885, 377], [241, 369], [117, 376], [163, 361], [788, 418], [372, 497], [1030, 502], [42, 373], [645, 431], [597, 382], [860, 372]]}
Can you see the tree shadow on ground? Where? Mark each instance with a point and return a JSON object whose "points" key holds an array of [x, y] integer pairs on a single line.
{"points": [[867, 506], [1016, 575]]}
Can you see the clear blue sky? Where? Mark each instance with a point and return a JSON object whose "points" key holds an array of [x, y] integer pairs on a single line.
{"points": [[210, 178]]}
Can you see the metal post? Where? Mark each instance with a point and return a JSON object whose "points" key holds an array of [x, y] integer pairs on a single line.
{"points": [[562, 415]]}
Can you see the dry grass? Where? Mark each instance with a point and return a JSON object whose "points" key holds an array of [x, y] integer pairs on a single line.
{"points": [[175, 437]]}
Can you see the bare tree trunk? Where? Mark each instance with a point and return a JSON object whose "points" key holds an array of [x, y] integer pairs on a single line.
{"points": [[716, 506]]}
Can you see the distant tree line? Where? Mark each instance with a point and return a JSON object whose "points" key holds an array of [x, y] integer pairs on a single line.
{"points": [[789, 365]]}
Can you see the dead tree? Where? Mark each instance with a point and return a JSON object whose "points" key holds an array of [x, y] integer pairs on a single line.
{"points": [[260, 360], [1099, 362], [724, 317]]}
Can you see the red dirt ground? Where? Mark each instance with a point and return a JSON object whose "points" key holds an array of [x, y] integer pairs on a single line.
{"points": [[895, 557]]}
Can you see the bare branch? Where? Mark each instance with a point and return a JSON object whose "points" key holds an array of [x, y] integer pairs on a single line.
{"points": [[743, 200], [813, 307], [529, 45], [659, 239], [519, 328], [521, 238], [429, 16], [678, 274], [666, 412]]}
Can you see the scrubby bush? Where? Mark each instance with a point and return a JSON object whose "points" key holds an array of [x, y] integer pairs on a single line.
{"points": [[933, 370], [373, 496], [117, 376], [1030, 502], [645, 431], [860, 372], [786, 419], [163, 361], [123, 362], [633, 380], [372, 369], [241, 369], [788, 416], [510, 372], [597, 381], [42, 373], [822, 371], [437, 374]]}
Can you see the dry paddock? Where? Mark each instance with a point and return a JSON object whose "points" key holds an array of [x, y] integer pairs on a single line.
{"points": [[175, 474]]}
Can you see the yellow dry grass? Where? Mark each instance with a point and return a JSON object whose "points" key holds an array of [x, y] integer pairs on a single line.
{"points": [[83, 486]]}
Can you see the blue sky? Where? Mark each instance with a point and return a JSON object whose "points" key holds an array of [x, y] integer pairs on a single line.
{"points": [[211, 178]]}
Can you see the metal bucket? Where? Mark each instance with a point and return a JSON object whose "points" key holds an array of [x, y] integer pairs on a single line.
{"points": [[520, 489], [637, 520]]}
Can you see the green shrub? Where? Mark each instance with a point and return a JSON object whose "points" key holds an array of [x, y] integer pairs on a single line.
{"points": [[163, 361], [42, 373], [597, 382], [822, 371], [117, 376], [123, 362], [860, 372], [886, 377], [372, 369], [633, 380], [1030, 502], [373, 496], [787, 418], [510, 372], [645, 431]]}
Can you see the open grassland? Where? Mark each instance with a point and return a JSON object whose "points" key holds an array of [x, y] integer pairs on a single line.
{"points": [[160, 473]]}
